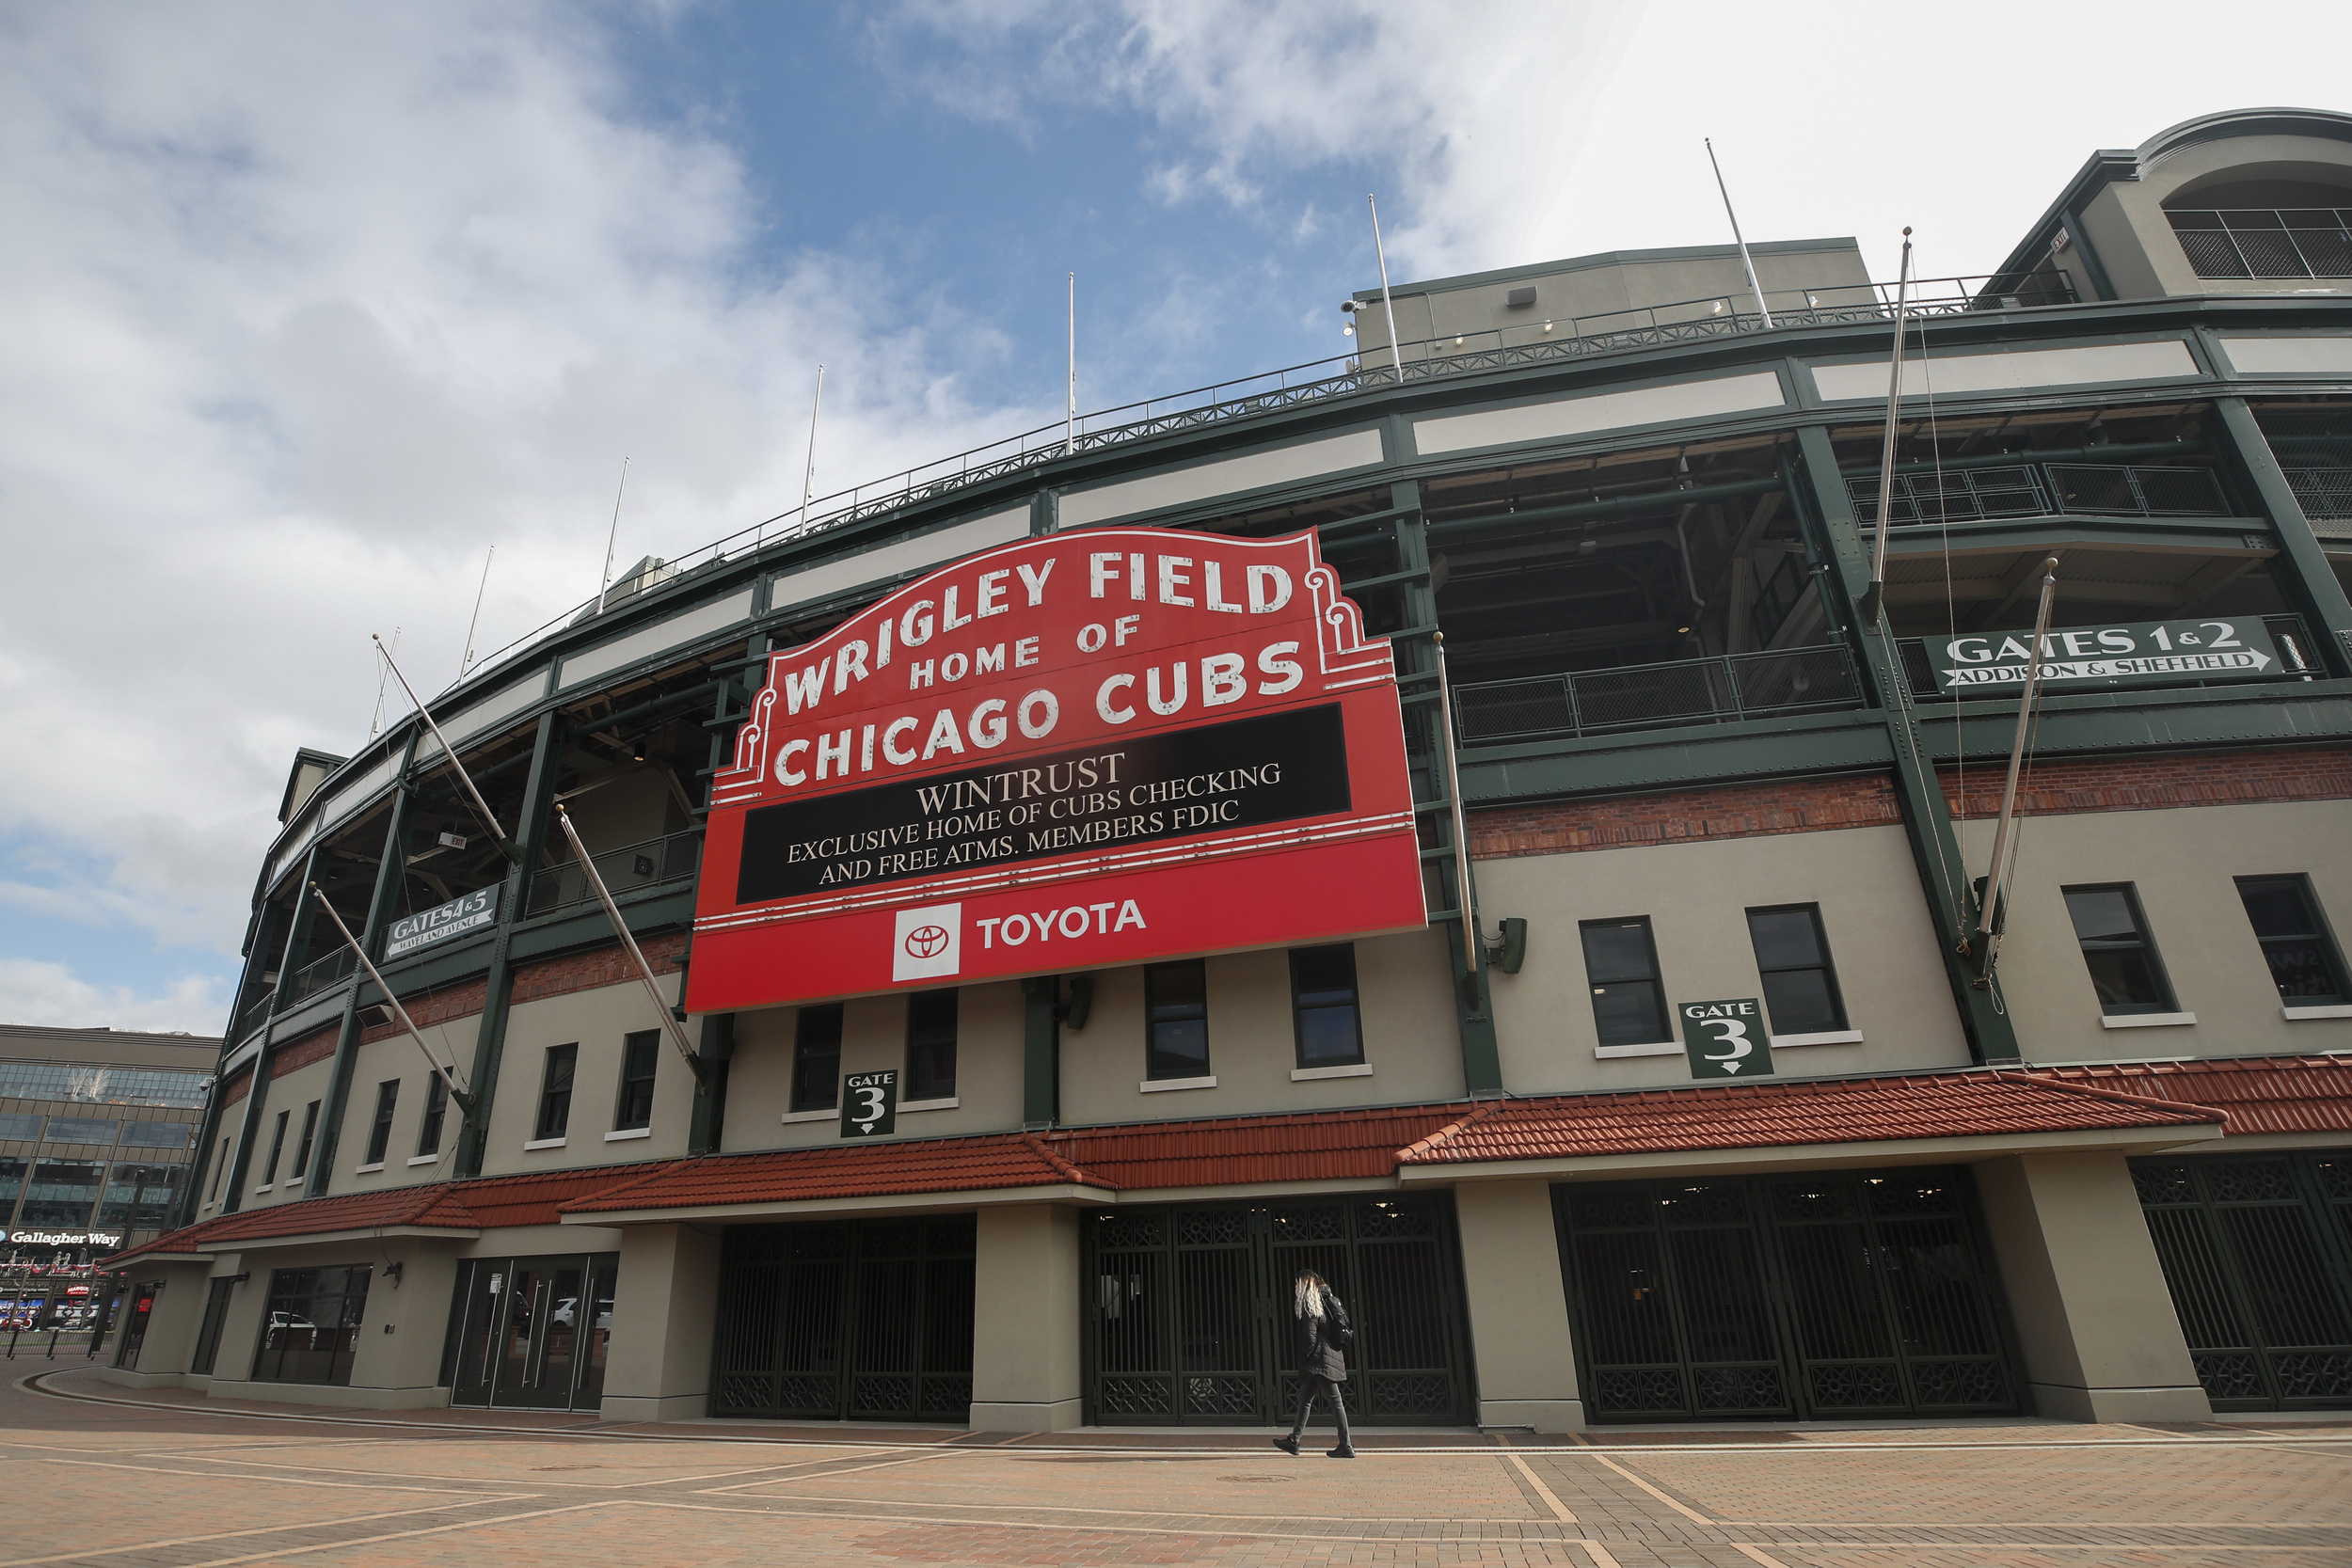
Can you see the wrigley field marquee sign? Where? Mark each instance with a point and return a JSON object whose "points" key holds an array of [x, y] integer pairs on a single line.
{"points": [[1097, 748], [2235, 647]]}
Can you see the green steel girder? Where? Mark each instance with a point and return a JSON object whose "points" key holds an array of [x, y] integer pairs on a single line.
{"points": [[1692, 758], [2225, 535]]}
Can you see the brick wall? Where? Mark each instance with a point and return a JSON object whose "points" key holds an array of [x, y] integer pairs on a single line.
{"points": [[2148, 783], [440, 1007], [316, 1046], [237, 1087], [606, 966]]}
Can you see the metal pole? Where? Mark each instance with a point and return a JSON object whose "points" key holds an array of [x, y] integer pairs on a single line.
{"points": [[1886, 449], [644, 970], [1386, 303], [1454, 802], [1069, 437], [466, 663], [447, 1075], [378, 722], [1737, 237], [612, 537], [1999, 872], [808, 474], [489, 817]]}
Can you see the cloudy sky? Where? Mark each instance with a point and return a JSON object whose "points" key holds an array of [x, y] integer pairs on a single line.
{"points": [[307, 307]]}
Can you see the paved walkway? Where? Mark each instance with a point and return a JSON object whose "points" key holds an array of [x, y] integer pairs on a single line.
{"points": [[103, 1477]]}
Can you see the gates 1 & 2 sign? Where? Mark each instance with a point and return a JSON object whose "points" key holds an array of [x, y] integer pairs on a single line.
{"points": [[1097, 748], [2236, 647]]}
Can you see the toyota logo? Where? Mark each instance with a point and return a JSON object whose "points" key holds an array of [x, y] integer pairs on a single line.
{"points": [[927, 941]]}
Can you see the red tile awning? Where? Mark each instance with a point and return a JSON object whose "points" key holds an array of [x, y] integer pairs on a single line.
{"points": [[989, 1164], [2263, 1094]]}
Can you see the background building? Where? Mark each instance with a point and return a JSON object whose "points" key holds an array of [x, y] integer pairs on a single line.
{"points": [[1703, 755]]}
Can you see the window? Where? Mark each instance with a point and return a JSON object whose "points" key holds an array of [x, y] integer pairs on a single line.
{"points": [[135, 1325], [1176, 1010], [1621, 964], [435, 1106], [930, 1046], [2303, 962], [2124, 967], [139, 1197], [1793, 957], [62, 1194], [640, 1054], [216, 1317], [380, 1133], [311, 1326], [103, 1085], [82, 1130], [309, 1135], [166, 1134], [20, 1125], [817, 1058], [555, 1092], [277, 1150], [1323, 1014], [12, 1169]]}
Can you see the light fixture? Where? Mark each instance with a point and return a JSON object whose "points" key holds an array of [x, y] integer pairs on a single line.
{"points": [[637, 754], [392, 1273]]}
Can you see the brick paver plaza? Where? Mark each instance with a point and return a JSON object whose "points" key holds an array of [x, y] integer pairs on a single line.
{"points": [[109, 1479]]}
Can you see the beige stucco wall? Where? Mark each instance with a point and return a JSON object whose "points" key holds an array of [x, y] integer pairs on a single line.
{"points": [[658, 1366], [172, 1323], [1026, 1331], [2126, 220], [290, 1093], [2183, 863], [598, 1021], [873, 1039], [2094, 1322], [1405, 1003], [397, 1057], [394, 1370], [1518, 1307], [1882, 944]]}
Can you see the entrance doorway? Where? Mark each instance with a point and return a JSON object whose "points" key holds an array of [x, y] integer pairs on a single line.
{"points": [[532, 1333], [1189, 1315], [867, 1320], [2258, 1256], [1798, 1297]]}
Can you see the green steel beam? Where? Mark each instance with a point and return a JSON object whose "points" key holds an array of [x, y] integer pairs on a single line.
{"points": [[707, 1129], [257, 1095], [2310, 582], [1614, 506], [1041, 1052], [391, 874], [1826, 514]]}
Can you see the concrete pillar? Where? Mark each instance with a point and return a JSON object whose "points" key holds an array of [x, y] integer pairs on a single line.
{"points": [[406, 1328], [1025, 1325], [2094, 1321], [1518, 1307], [172, 1322], [666, 1308]]}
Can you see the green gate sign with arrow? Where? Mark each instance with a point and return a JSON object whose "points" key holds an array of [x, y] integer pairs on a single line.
{"points": [[870, 1104], [1727, 1040], [2146, 652]]}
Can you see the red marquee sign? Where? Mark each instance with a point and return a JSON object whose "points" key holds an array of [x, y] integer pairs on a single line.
{"points": [[1092, 749]]}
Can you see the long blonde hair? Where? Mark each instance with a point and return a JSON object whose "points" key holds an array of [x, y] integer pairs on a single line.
{"points": [[1307, 1295]]}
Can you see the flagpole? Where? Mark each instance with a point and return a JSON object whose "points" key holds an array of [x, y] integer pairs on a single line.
{"points": [[1737, 237], [1886, 447], [489, 818], [612, 537], [808, 474], [446, 1074], [466, 663], [1069, 438], [1386, 302], [1997, 873], [637, 955]]}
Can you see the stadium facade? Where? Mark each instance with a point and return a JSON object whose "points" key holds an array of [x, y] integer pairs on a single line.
{"points": [[1735, 1103]]}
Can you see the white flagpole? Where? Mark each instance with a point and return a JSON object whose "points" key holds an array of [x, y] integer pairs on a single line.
{"points": [[382, 677], [808, 475], [448, 1075], [1997, 873], [612, 537], [1737, 237], [489, 818], [1069, 439], [1886, 449], [466, 663], [637, 955], [1386, 303]]}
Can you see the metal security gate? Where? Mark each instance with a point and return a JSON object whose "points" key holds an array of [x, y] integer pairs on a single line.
{"points": [[1189, 1315], [868, 1320], [2257, 1253], [1800, 1297]]}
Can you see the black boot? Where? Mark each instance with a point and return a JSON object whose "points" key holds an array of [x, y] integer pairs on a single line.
{"points": [[1288, 1445], [1338, 1409]]}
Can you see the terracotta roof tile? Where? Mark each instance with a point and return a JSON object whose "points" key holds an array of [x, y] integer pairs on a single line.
{"points": [[1318, 1146], [857, 1170], [2263, 1094]]}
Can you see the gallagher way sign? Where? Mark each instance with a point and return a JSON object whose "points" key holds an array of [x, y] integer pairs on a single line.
{"points": [[1092, 749], [2232, 648], [443, 923]]}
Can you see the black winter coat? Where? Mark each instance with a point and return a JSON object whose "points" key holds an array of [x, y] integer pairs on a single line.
{"points": [[1322, 1351]]}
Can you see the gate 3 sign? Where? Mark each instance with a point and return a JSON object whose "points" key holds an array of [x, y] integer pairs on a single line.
{"points": [[1098, 748], [1726, 1039], [2232, 648]]}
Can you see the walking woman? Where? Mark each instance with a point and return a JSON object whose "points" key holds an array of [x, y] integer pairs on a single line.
{"points": [[1324, 1336]]}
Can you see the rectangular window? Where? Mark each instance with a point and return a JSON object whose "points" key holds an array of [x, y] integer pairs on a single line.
{"points": [[309, 1135], [12, 1169], [62, 1194], [82, 1130], [216, 1317], [555, 1092], [2302, 957], [2124, 967], [312, 1325], [164, 1134], [139, 1197], [930, 1046], [435, 1108], [817, 1058], [20, 1125], [276, 1148], [640, 1055], [1324, 1018], [1621, 965], [1176, 1010], [380, 1133], [1793, 959]]}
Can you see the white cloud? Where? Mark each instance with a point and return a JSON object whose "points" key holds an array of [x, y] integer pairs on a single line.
{"points": [[36, 992]]}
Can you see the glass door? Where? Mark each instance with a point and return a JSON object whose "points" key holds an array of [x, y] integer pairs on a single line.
{"points": [[532, 1332]]}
